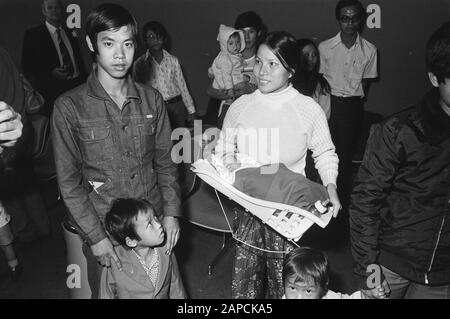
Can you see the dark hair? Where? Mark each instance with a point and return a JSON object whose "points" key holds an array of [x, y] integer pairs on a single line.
{"points": [[438, 53], [109, 16], [285, 48], [249, 19], [119, 220], [350, 3], [157, 28], [307, 264], [307, 80]]}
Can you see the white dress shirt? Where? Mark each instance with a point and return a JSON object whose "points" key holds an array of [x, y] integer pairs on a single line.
{"points": [[66, 41], [345, 68]]}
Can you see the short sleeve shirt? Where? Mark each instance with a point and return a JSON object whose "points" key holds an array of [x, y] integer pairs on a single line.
{"points": [[345, 68]]}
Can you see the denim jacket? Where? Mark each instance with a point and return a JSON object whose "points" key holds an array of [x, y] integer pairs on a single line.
{"points": [[103, 153]]}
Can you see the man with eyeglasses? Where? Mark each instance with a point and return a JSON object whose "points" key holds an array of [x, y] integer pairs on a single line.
{"points": [[348, 62]]}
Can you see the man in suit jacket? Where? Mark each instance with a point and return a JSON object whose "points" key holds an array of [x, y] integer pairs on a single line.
{"points": [[51, 57]]}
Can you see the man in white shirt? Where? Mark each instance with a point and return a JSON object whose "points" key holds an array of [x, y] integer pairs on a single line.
{"points": [[51, 59], [348, 62]]}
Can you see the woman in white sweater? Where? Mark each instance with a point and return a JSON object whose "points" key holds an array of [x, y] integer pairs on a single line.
{"points": [[274, 124]]}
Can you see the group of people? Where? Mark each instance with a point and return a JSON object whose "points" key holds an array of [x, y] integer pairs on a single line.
{"points": [[112, 142]]}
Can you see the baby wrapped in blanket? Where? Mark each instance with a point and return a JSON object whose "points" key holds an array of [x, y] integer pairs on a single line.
{"points": [[272, 182]]}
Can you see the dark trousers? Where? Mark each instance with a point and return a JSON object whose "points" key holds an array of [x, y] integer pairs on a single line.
{"points": [[212, 111], [345, 127], [177, 112]]}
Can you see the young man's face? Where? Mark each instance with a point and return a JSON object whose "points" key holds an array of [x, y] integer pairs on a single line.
{"points": [[234, 44], [444, 92], [251, 37], [149, 229], [349, 20], [154, 42], [300, 290], [115, 52]]}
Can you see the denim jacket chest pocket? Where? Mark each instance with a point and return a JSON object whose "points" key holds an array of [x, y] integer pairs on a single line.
{"points": [[147, 132], [95, 144]]}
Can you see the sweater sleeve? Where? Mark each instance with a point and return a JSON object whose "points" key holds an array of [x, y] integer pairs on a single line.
{"points": [[226, 145], [322, 147]]}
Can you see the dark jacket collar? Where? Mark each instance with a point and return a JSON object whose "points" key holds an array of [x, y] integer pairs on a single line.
{"points": [[435, 122], [96, 90]]}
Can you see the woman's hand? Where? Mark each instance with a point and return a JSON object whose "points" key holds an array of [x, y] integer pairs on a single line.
{"points": [[334, 199]]}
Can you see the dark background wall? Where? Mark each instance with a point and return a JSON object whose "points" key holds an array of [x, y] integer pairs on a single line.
{"points": [[193, 25]]}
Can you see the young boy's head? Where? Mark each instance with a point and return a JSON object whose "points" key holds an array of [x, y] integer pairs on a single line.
{"points": [[132, 223], [438, 62], [111, 34], [155, 35], [234, 43], [305, 274]]}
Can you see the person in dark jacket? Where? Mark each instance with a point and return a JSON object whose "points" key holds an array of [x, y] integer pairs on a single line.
{"points": [[111, 138], [51, 56], [400, 205]]}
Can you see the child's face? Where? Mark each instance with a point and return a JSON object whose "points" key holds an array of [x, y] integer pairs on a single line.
{"points": [[310, 53], [234, 44], [115, 52], [154, 41], [149, 229], [300, 290]]}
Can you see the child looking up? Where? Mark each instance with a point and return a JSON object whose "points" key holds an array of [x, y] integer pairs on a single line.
{"points": [[147, 272]]}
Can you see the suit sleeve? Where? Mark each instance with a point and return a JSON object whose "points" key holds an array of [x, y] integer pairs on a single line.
{"points": [[378, 169]]}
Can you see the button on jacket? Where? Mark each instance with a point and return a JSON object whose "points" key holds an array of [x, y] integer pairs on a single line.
{"points": [[103, 153]]}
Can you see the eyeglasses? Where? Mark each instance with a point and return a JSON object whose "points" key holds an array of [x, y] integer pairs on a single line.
{"points": [[350, 19]]}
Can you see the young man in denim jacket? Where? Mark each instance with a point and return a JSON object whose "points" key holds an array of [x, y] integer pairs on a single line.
{"points": [[112, 139]]}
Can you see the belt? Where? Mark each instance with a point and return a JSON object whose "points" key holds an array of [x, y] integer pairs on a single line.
{"points": [[173, 100]]}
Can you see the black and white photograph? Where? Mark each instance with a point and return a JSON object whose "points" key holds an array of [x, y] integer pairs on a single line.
{"points": [[225, 153]]}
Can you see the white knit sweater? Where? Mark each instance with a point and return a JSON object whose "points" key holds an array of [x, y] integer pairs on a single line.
{"points": [[279, 128]]}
